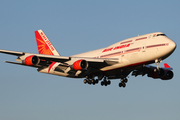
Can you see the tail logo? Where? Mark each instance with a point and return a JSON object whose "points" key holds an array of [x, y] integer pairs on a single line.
{"points": [[44, 45], [47, 41]]}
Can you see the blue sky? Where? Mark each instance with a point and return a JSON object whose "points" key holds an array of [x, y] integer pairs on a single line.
{"points": [[79, 26]]}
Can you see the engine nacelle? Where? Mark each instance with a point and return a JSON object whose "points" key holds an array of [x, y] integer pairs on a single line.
{"points": [[168, 75], [162, 74], [31, 60], [80, 65], [157, 74]]}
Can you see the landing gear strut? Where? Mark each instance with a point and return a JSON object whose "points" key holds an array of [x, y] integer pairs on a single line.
{"points": [[123, 82], [157, 64]]}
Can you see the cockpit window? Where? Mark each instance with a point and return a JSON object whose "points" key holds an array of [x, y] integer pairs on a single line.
{"points": [[161, 35]]}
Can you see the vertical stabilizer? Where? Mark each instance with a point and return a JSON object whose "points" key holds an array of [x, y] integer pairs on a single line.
{"points": [[44, 45]]}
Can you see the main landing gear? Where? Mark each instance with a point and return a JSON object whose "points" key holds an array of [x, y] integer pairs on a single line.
{"points": [[91, 81], [105, 82], [123, 82]]}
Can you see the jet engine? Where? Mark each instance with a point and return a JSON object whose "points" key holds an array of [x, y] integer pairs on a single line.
{"points": [[31, 60], [156, 73], [80, 65], [168, 75], [162, 74]]}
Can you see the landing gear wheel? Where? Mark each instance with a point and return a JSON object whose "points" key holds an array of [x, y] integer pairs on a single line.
{"points": [[93, 82], [85, 81], [122, 84], [102, 83], [125, 80], [96, 81], [109, 82], [89, 82], [105, 83]]}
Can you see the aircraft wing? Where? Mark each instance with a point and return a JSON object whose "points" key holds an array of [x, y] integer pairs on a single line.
{"points": [[12, 52], [94, 62], [42, 56]]}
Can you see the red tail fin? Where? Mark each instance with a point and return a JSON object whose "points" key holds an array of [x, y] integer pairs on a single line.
{"points": [[44, 45]]}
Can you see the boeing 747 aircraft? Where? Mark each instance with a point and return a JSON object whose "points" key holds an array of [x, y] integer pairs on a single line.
{"points": [[116, 61]]}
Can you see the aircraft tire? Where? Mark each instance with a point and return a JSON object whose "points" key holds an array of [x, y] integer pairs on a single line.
{"points": [[93, 82], [102, 83], [120, 84], [89, 82], [125, 80], [105, 83], [85, 81], [124, 85], [109, 82]]}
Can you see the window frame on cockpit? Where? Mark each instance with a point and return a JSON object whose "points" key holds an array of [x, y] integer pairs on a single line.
{"points": [[161, 35]]}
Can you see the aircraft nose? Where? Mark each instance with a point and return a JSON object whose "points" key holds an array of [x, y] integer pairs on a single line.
{"points": [[172, 45]]}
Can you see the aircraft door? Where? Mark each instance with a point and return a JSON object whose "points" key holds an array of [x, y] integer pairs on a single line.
{"points": [[143, 51], [144, 47]]}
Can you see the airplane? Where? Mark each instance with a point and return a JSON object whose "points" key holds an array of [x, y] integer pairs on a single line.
{"points": [[133, 55]]}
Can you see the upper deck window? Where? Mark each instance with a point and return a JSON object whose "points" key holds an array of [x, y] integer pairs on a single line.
{"points": [[141, 38], [126, 42], [161, 35]]}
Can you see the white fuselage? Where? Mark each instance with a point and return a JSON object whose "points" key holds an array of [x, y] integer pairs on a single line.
{"points": [[136, 50]]}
